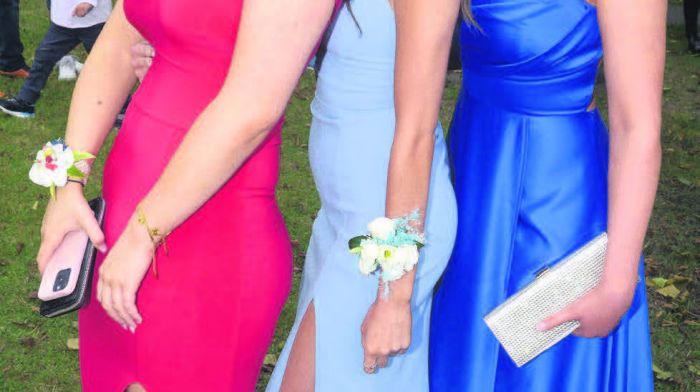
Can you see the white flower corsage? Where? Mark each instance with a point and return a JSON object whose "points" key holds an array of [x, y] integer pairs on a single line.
{"points": [[391, 247], [55, 164]]}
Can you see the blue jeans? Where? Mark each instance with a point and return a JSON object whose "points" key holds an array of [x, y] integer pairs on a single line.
{"points": [[57, 42], [10, 45]]}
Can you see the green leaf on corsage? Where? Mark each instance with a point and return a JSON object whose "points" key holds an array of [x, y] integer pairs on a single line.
{"points": [[75, 172], [355, 243], [82, 155]]}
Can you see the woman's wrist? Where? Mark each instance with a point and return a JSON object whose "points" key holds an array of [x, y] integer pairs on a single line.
{"points": [[138, 235], [400, 291], [70, 189]]}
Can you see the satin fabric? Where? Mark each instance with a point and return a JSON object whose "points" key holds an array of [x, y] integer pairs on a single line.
{"points": [[349, 148], [530, 172]]}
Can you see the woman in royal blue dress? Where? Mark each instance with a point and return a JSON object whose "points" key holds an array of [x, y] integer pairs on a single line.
{"points": [[537, 175]]}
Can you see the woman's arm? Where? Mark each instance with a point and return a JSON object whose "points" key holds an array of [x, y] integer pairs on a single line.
{"points": [[99, 93], [275, 41], [634, 43], [424, 35], [103, 85]]}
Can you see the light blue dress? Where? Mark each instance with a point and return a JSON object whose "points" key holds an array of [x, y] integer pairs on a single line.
{"points": [[351, 137]]}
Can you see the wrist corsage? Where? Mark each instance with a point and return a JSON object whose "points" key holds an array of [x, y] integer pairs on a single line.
{"points": [[391, 247], [56, 164]]}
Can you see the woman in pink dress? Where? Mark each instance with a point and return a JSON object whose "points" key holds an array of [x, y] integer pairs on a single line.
{"points": [[189, 183]]}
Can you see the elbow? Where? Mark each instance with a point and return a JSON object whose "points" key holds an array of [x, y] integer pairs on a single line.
{"points": [[251, 122]]}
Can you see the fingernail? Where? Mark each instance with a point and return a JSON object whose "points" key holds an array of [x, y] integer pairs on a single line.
{"points": [[124, 326], [102, 248], [132, 329], [541, 326]]}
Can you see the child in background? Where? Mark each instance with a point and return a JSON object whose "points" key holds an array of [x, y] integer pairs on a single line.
{"points": [[72, 22]]}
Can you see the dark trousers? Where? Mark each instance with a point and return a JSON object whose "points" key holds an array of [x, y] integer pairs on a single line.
{"points": [[10, 45], [690, 11], [58, 42]]}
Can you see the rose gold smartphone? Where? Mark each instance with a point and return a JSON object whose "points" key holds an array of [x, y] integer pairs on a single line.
{"points": [[61, 273]]}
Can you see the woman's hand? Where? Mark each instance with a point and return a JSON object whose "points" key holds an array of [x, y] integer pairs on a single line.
{"points": [[122, 272], [142, 55], [386, 330], [599, 311], [68, 212]]}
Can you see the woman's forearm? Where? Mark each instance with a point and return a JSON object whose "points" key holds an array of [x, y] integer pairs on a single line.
{"points": [[103, 85], [251, 102], [219, 142], [424, 32], [635, 160], [634, 67]]}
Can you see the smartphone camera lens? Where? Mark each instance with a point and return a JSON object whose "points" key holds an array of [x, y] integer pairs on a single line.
{"points": [[61, 280]]}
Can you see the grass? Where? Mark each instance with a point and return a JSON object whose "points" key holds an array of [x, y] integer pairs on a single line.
{"points": [[34, 355]]}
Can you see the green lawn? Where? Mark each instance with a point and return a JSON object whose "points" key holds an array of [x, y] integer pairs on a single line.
{"points": [[34, 355]]}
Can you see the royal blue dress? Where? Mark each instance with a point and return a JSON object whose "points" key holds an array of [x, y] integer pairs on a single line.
{"points": [[530, 168]]}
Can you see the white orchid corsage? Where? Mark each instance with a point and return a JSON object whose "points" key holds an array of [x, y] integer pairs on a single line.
{"points": [[55, 164], [391, 247]]}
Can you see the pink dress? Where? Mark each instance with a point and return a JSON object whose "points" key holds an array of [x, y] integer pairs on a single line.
{"points": [[209, 316]]}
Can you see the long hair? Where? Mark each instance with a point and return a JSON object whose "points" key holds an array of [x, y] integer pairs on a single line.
{"points": [[323, 48], [467, 12]]}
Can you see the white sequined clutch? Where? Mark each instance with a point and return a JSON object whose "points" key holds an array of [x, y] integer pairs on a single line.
{"points": [[514, 322]]}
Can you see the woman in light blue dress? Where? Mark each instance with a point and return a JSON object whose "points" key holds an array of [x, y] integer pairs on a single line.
{"points": [[352, 133]]}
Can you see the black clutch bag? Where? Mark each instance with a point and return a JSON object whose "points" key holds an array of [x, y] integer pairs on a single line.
{"points": [[80, 296]]}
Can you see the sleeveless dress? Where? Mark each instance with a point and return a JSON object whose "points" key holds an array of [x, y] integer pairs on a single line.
{"points": [[530, 169], [350, 145], [210, 314]]}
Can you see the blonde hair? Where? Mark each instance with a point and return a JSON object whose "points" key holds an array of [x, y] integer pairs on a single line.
{"points": [[467, 12]]}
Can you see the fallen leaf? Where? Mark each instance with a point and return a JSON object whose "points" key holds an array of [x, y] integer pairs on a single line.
{"points": [[35, 205], [670, 291], [661, 374], [72, 343], [659, 282], [678, 279]]}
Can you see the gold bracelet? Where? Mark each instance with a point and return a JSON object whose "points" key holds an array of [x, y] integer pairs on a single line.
{"points": [[156, 236]]}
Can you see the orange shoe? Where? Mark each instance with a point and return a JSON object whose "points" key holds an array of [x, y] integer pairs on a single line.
{"points": [[18, 73]]}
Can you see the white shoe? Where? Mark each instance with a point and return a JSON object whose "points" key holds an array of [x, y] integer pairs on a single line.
{"points": [[66, 68]]}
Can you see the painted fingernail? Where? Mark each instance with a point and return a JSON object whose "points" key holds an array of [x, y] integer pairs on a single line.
{"points": [[132, 329], [102, 248]]}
